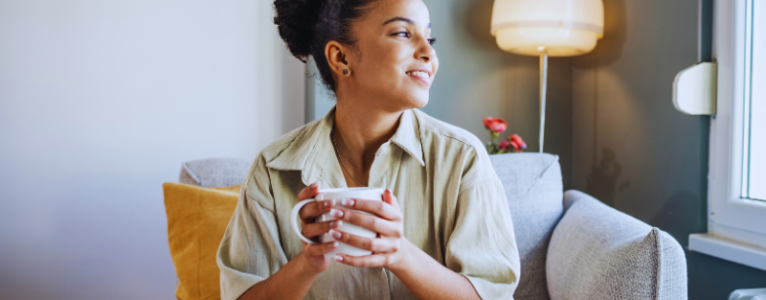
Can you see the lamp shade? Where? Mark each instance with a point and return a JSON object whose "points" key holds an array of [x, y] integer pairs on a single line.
{"points": [[562, 27]]}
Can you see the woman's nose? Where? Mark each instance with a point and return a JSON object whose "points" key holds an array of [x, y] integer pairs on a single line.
{"points": [[426, 51]]}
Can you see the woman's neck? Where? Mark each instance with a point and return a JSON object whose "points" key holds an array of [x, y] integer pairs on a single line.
{"points": [[360, 131]]}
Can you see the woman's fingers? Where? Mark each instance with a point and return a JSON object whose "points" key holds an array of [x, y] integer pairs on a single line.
{"points": [[312, 230], [367, 261], [314, 209], [388, 197], [319, 249], [378, 245], [379, 208], [309, 191], [384, 227]]}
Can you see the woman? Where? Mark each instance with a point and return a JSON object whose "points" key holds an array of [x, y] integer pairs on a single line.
{"points": [[445, 231]]}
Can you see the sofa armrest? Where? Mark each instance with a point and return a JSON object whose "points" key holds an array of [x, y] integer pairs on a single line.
{"points": [[597, 252]]}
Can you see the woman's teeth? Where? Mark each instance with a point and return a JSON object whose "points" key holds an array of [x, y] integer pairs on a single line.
{"points": [[423, 75]]}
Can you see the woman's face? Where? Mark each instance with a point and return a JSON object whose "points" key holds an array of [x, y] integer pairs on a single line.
{"points": [[393, 59]]}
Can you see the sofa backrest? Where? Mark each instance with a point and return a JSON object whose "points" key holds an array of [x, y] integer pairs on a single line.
{"points": [[535, 195], [533, 188], [215, 172]]}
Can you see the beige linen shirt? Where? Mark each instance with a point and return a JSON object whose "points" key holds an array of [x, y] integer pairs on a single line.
{"points": [[453, 204]]}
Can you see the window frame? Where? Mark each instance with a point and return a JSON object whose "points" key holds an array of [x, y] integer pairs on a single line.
{"points": [[736, 225]]}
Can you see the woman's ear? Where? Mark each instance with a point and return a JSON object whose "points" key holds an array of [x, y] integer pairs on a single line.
{"points": [[336, 58]]}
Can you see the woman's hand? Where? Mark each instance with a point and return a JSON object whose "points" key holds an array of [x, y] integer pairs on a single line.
{"points": [[390, 247], [313, 255]]}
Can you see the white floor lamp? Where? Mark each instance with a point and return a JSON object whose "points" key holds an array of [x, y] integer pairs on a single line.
{"points": [[547, 28]]}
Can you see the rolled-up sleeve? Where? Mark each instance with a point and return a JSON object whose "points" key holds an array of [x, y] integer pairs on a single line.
{"points": [[250, 250], [482, 246]]}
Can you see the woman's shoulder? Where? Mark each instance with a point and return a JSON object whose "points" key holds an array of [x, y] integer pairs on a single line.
{"points": [[456, 149], [277, 147], [282, 151], [439, 131]]}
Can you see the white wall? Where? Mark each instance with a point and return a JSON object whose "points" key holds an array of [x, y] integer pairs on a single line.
{"points": [[100, 103]]}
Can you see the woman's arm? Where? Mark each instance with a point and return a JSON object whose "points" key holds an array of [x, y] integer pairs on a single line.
{"points": [[422, 275], [295, 278], [428, 279], [292, 281]]}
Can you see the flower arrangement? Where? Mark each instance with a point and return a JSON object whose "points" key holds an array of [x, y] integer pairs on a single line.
{"points": [[514, 143]]}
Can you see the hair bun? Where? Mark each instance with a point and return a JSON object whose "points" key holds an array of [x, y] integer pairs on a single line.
{"points": [[296, 20], [307, 26]]}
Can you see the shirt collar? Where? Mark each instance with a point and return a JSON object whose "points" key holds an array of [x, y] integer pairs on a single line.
{"points": [[312, 152], [407, 136]]}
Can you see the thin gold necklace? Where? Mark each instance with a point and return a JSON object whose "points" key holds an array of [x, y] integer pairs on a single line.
{"points": [[335, 144]]}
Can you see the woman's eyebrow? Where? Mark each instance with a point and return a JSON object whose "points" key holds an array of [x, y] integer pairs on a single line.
{"points": [[402, 19]]}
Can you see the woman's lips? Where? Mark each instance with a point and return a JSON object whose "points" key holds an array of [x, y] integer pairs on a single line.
{"points": [[420, 75]]}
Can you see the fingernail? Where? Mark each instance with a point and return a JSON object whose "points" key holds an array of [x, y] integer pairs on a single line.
{"points": [[326, 204], [336, 224], [338, 257], [313, 185], [337, 213], [348, 202], [336, 235], [332, 245]]}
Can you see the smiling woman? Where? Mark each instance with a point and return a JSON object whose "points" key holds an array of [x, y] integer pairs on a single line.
{"points": [[443, 228]]}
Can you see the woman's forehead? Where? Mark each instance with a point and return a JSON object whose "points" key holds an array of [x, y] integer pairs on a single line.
{"points": [[410, 11]]}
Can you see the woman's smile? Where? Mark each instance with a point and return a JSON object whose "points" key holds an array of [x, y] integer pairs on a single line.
{"points": [[420, 75]]}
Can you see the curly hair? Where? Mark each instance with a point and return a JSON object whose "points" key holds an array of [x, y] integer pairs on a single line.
{"points": [[307, 26]]}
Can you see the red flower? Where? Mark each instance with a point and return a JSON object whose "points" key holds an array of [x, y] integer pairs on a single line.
{"points": [[516, 146], [504, 145], [517, 139], [495, 125]]}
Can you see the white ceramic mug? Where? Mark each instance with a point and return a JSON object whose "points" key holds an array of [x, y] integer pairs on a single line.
{"points": [[374, 194]]}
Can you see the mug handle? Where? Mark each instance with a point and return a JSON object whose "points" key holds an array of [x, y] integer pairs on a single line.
{"points": [[294, 216]]}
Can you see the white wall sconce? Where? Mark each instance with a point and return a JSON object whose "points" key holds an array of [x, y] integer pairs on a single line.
{"points": [[695, 88]]}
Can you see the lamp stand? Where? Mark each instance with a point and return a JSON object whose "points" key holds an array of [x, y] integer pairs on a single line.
{"points": [[543, 87]]}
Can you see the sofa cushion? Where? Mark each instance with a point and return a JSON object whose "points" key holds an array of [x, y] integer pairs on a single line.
{"points": [[197, 220], [534, 190], [215, 172], [597, 252]]}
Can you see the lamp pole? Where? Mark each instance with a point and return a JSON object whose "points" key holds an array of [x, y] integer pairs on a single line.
{"points": [[543, 88]]}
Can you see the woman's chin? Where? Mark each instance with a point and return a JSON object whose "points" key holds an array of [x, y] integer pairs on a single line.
{"points": [[416, 102], [421, 103], [418, 98], [406, 100]]}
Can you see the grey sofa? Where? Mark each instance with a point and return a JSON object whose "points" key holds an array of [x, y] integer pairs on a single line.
{"points": [[572, 246]]}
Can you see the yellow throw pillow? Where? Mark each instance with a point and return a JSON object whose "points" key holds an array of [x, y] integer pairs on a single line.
{"points": [[197, 220]]}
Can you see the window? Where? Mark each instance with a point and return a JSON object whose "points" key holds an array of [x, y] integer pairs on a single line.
{"points": [[737, 178], [754, 164]]}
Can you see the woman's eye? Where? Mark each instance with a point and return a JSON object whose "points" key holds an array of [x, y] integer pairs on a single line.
{"points": [[403, 34]]}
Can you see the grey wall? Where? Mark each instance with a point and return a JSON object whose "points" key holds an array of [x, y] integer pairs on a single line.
{"points": [[632, 149], [319, 99]]}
